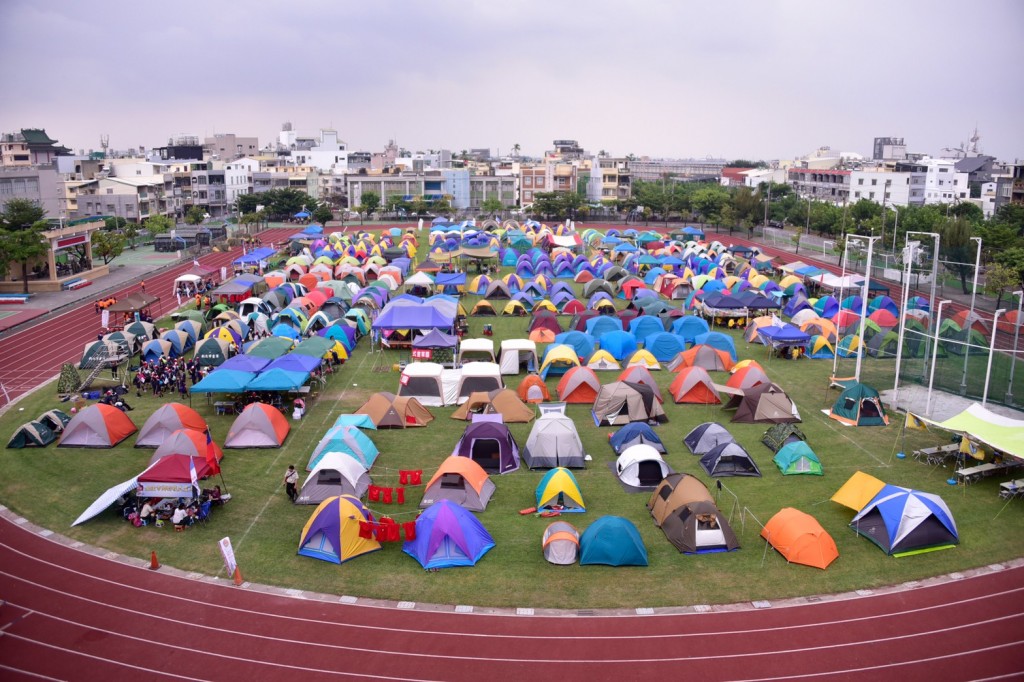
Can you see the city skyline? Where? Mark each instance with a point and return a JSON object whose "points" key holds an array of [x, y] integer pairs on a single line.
{"points": [[758, 81]]}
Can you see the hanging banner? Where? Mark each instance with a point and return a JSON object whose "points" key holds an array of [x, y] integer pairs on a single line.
{"points": [[228, 554], [223, 273], [104, 318]]}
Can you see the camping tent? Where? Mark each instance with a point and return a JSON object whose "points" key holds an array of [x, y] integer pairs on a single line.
{"points": [[332, 531], [800, 538], [258, 426], [579, 385], [503, 401], [517, 355], [187, 442], [55, 419], [705, 437], [459, 480], [389, 411], [612, 541], [764, 404], [335, 473], [711, 359], [348, 440], [447, 535], [729, 459], [489, 444], [97, 426], [32, 434], [797, 458], [479, 350], [902, 521], [602, 360], [561, 543], [859, 405], [166, 420], [621, 402], [641, 466], [685, 511], [554, 442], [781, 434], [424, 382], [559, 491], [558, 359], [635, 433], [478, 376], [694, 385], [532, 389], [173, 476], [858, 490]]}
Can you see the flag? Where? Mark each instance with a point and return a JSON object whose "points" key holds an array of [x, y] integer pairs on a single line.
{"points": [[211, 455], [915, 422], [192, 475], [195, 262], [967, 447]]}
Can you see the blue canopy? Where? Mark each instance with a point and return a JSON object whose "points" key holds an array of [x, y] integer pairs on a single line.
{"points": [[223, 381], [413, 316], [786, 335], [277, 380], [301, 214], [244, 363], [255, 256], [294, 362]]}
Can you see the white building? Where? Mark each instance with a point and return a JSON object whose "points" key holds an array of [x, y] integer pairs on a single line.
{"points": [[887, 187], [943, 185], [329, 155], [238, 178]]}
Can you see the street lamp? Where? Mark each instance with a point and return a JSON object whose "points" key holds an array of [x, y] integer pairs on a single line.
{"points": [[1013, 351], [935, 353], [970, 318], [864, 307], [895, 228], [903, 316], [991, 352]]}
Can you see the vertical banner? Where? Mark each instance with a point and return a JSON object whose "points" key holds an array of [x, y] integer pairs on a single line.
{"points": [[104, 318], [223, 273], [229, 555]]}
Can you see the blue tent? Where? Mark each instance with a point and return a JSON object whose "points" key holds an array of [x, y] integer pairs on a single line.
{"points": [[277, 380], [413, 316], [690, 327], [580, 342], [719, 341], [294, 362], [223, 381], [785, 336], [903, 521], [645, 325], [448, 535], [612, 541], [635, 433], [621, 344], [301, 214], [347, 440], [664, 345], [244, 363], [361, 421], [602, 324]]}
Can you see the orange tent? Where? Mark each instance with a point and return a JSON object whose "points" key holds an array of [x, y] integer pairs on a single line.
{"points": [[533, 390], [542, 335], [97, 426], [579, 385], [258, 426], [702, 355], [800, 538], [694, 385], [748, 377]]}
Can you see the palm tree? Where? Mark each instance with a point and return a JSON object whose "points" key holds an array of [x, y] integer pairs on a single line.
{"points": [[515, 150]]}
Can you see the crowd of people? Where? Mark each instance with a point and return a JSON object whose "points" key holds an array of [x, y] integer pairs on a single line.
{"points": [[168, 375], [180, 512]]}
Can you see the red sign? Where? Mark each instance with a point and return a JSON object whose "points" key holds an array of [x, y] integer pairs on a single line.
{"points": [[422, 353], [71, 241]]}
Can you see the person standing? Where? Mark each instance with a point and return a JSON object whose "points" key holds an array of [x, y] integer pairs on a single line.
{"points": [[291, 478], [142, 285]]}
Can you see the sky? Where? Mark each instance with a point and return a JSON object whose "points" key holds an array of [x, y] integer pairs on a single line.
{"points": [[665, 79]]}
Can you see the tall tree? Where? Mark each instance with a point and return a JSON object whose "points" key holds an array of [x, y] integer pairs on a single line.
{"points": [[195, 215], [515, 150], [323, 214], [1013, 260], [21, 225], [107, 245], [158, 224], [492, 206], [957, 250], [1000, 279], [371, 201]]}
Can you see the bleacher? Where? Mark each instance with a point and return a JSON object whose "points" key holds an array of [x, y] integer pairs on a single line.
{"points": [[76, 283], [14, 299]]}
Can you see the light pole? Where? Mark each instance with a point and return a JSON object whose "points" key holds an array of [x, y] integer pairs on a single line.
{"points": [[842, 290], [767, 203], [864, 307], [1013, 351], [895, 228], [902, 326], [935, 352], [991, 352], [970, 318], [936, 239]]}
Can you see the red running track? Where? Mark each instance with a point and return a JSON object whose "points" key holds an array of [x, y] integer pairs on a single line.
{"points": [[34, 355], [70, 614]]}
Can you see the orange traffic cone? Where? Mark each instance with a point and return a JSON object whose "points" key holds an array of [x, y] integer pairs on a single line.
{"points": [[238, 576], [153, 562]]}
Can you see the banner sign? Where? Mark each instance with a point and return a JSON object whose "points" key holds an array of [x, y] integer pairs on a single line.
{"points": [[422, 353], [70, 241], [228, 553], [164, 490]]}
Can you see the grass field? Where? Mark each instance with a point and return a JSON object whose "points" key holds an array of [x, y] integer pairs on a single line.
{"points": [[52, 486]]}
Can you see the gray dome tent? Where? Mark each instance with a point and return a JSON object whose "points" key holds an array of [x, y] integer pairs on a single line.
{"points": [[554, 442], [729, 459], [704, 437]]}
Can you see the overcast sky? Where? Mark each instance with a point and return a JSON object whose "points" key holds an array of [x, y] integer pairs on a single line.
{"points": [[657, 78]]}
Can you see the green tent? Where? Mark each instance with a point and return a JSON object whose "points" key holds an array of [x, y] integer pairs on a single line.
{"points": [[779, 435], [797, 457], [271, 347], [859, 405], [212, 352], [32, 434]]}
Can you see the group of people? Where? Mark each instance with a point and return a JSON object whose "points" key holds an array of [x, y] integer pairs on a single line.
{"points": [[201, 287], [115, 399], [167, 375], [179, 512]]}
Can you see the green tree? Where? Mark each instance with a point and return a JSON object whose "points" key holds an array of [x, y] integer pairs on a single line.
{"points": [[371, 201], [1013, 260], [195, 215], [747, 205], [492, 206], [1000, 279], [1011, 215], [323, 214], [957, 249], [972, 213], [22, 223], [107, 245], [248, 219], [247, 203], [708, 202], [864, 210], [130, 230], [114, 223], [158, 224]]}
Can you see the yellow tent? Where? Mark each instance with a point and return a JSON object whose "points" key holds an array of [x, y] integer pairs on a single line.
{"points": [[858, 491]]}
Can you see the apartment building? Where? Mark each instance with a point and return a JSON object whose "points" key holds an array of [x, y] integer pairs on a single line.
{"points": [[132, 198], [653, 170], [821, 184], [228, 146]]}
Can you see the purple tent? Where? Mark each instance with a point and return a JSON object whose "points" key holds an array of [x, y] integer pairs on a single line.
{"points": [[490, 445], [245, 363], [446, 536]]}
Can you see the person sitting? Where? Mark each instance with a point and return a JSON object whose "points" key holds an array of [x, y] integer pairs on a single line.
{"points": [[181, 517], [148, 513], [215, 495]]}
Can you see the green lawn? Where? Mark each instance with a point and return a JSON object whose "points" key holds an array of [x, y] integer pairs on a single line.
{"points": [[52, 486]]}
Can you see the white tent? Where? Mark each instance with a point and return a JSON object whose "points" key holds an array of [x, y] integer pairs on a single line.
{"points": [[420, 279], [335, 474], [478, 349], [554, 442], [641, 466], [478, 376], [190, 283], [517, 354], [422, 380]]}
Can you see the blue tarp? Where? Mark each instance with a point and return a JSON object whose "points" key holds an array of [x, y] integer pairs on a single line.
{"points": [[277, 380], [223, 381], [244, 363], [786, 335], [254, 257], [294, 362], [450, 278]]}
